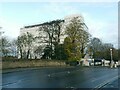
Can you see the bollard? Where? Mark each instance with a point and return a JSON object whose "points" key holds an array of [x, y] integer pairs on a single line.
{"points": [[111, 65], [115, 65]]}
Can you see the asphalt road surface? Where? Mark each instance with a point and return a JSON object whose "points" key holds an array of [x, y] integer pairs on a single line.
{"points": [[56, 77]]}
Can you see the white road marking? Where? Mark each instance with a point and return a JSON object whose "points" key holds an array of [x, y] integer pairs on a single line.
{"points": [[104, 83]]}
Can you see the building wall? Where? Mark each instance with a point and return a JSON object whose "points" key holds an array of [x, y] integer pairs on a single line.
{"points": [[34, 30]]}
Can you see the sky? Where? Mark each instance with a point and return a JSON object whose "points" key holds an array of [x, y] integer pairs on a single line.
{"points": [[100, 17]]}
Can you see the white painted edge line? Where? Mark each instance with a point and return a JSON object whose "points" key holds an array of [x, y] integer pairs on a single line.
{"points": [[104, 83]]}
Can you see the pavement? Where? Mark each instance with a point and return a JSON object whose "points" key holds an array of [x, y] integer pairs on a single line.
{"points": [[52, 77]]}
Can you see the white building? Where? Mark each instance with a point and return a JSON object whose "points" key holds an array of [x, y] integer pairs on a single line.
{"points": [[87, 60], [35, 31]]}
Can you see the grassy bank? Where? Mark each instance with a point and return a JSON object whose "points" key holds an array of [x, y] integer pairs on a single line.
{"points": [[9, 64]]}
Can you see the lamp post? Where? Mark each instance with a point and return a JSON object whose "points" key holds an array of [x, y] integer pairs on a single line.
{"points": [[111, 65]]}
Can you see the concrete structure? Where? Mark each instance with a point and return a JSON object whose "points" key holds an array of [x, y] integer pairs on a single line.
{"points": [[87, 61], [36, 31], [105, 62]]}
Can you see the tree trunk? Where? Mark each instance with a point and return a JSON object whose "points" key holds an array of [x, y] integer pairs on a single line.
{"points": [[21, 56], [28, 52], [82, 52]]}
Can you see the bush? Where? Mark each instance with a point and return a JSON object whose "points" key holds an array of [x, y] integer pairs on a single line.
{"points": [[72, 63], [9, 58]]}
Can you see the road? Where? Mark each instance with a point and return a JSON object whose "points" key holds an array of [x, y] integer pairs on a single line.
{"points": [[56, 77]]}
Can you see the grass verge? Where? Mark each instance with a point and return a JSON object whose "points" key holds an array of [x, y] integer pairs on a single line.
{"points": [[32, 63]]}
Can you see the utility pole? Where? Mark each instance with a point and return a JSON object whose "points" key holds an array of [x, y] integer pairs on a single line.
{"points": [[111, 65]]}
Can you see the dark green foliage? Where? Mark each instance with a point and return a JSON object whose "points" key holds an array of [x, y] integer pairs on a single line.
{"points": [[59, 52], [72, 63], [47, 52], [38, 51]]}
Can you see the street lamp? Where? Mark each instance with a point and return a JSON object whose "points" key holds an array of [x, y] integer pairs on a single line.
{"points": [[111, 58]]}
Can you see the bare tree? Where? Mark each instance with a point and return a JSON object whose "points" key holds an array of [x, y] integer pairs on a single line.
{"points": [[13, 47], [24, 44], [53, 32], [5, 46]]}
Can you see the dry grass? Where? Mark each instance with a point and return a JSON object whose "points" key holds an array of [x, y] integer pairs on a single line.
{"points": [[31, 63]]}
